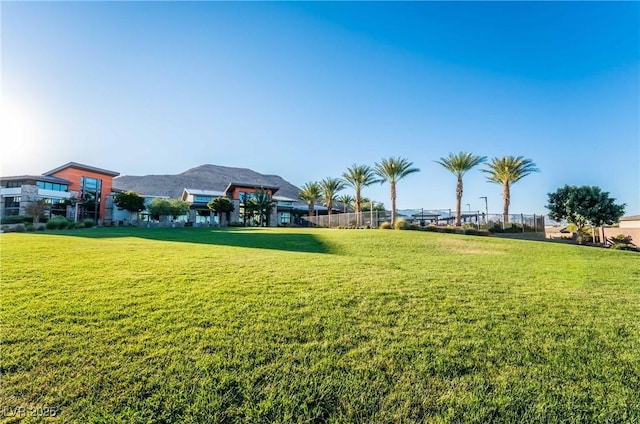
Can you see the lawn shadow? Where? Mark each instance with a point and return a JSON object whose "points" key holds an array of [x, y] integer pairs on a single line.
{"points": [[256, 238]]}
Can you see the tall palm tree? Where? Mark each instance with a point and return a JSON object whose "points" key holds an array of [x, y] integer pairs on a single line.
{"points": [[359, 176], [506, 171], [310, 193], [346, 200], [459, 164], [393, 170], [329, 188]]}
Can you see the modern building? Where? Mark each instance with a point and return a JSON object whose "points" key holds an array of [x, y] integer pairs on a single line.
{"points": [[79, 191], [74, 190]]}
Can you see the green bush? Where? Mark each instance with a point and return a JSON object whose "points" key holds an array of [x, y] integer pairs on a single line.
{"points": [[483, 233], [20, 228], [88, 223], [235, 224], [30, 227], [385, 226], [471, 231], [449, 229], [40, 227], [53, 224], [401, 224], [17, 219], [432, 228], [62, 224]]}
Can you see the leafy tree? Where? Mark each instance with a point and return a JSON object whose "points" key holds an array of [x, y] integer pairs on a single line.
{"points": [[37, 209], [222, 205], [129, 201], [329, 188], [377, 206], [167, 207], [581, 206], [346, 200], [393, 170], [506, 171], [310, 193], [359, 176], [459, 164]]}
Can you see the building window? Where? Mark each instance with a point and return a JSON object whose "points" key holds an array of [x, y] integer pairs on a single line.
{"points": [[13, 184], [202, 199], [285, 218], [11, 206], [90, 196], [51, 186]]}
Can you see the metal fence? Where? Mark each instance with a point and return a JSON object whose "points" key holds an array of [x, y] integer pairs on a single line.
{"points": [[442, 218], [371, 219]]}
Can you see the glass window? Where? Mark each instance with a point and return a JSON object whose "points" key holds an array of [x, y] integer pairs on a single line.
{"points": [[285, 218], [202, 199]]}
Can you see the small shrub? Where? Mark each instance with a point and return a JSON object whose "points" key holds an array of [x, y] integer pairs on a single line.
{"points": [[4, 228], [415, 227], [62, 224], [483, 233], [20, 228], [401, 224], [385, 226], [88, 223], [449, 229], [40, 227], [30, 227], [235, 224], [621, 239], [431, 228], [471, 231]]}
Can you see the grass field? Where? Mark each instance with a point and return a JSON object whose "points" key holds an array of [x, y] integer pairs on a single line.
{"points": [[284, 325]]}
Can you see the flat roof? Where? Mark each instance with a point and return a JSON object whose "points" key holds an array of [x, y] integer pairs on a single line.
{"points": [[45, 178], [630, 218], [199, 192], [84, 167]]}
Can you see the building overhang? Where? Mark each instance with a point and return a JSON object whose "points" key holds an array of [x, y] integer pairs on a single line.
{"points": [[83, 167]]}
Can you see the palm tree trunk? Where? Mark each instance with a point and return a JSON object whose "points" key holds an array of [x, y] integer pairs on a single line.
{"points": [[506, 197], [329, 207], [458, 201], [393, 202], [358, 217]]}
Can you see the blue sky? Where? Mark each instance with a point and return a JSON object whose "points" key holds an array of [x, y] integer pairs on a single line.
{"points": [[304, 90]]}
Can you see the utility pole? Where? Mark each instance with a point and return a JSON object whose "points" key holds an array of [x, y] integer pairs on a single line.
{"points": [[486, 209]]}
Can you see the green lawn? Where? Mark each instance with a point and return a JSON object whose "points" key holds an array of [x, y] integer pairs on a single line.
{"points": [[280, 325]]}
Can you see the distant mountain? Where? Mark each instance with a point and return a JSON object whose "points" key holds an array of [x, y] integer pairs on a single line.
{"points": [[204, 177]]}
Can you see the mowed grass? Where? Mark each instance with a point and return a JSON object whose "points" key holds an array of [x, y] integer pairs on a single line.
{"points": [[286, 325]]}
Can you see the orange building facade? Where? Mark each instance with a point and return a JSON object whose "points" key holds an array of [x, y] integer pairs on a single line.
{"points": [[90, 185]]}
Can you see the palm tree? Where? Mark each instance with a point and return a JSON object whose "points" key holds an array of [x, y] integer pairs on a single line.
{"points": [[310, 193], [393, 170], [359, 176], [346, 200], [329, 188], [508, 170], [459, 164]]}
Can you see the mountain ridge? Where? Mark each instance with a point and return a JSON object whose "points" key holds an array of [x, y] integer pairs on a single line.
{"points": [[203, 177]]}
